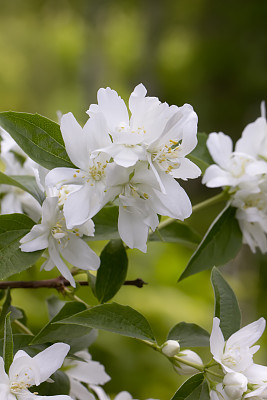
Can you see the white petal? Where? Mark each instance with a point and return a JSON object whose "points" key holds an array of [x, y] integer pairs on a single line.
{"points": [[248, 335], [63, 176], [22, 364], [96, 131], [123, 396], [113, 107], [3, 376], [51, 359], [59, 263], [186, 170], [5, 392], [79, 391], [220, 147], [216, 340], [36, 239], [215, 177], [79, 254], [100, 393], [76, 208], [91, 372], [126, 157], [31, 396], [75, 141], [253, 137], [50, 211], [256, 374], [132, 229]]}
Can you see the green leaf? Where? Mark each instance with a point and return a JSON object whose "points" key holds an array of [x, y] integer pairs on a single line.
{"points": [[38, 136], [21, 342], [189, 335], [112, 271], [114, 318], [176, 232], [12, 260], [106, 224], [191, 389], [60, 386], [15, 312], [54, 305], [220, 244], [26, 183], [54, 332], [200, 155], [226, 305], [8, 344]]}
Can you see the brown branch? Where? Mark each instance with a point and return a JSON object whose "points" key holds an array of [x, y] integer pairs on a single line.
{"points": [[57, 283]]}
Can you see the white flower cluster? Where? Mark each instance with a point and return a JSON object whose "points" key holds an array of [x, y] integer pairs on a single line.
{"points": [[244, 172], [242, 377], [133, 161]]}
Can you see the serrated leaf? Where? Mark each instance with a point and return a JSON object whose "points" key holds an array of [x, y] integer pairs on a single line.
{"points": [[200, 155], [54, 332], [112, 271], [106, 224], [26, 183], [220, 244], [60, 386], [190, 388], [114, 318], [8, 343], [12, 260], [38, 136], [176, 232], [226, 305], [189, 335]]}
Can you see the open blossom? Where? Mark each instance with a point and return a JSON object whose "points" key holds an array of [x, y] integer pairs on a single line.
{"points": [[236, 353], [61, 243], [155, 132], [26, 371], [83, 373]]}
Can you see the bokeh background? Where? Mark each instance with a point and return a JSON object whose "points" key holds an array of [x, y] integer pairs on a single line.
{"points": [[55, 55]]}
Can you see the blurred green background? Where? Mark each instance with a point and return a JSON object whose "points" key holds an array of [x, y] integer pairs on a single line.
{"points": [[55, 55]]}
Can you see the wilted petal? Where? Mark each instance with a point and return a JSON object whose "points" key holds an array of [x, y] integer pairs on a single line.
{"points": [[51, 359]]}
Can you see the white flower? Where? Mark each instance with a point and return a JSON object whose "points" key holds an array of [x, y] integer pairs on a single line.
{"points": [[84, 372], [26, 371], [121, 396], [235, 384], [236, 354], [170, 348], [155, 131], [191, 356], [90, 174], [52, 234], [259, 394], [140, 200]]}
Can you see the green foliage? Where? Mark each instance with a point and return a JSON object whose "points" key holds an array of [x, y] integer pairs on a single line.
{"points": [[106, 224], [112, 271], [195, 388], [12, 260], [60, 386], [8, 343], [226, 305], [189, 335], [15, 313], [176, 232], [220, 244], [26, 183], [200, 155], [38, 136], [54, 332], [114, 318]]}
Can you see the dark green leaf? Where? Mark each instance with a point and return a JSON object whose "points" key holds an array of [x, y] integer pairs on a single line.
{"points": [[114, 318], [106, 224], [26, 183], [200, 155], [12, 260], [38, 136], [220, 244], [190, 389], [21, 342], [54, 305], [189, 335], [61, 385], [177, 232], [54, 332], [8, 343], [112, 271], [226, 305]]}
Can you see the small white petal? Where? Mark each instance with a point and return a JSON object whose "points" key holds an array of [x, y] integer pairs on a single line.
{"points": [[220, 147], [216, 340], [79, 254]]}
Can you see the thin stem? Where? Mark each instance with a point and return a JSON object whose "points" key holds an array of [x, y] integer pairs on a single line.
{"points": [[214, 373], [190, 364], [219, 198], [22, 327]]}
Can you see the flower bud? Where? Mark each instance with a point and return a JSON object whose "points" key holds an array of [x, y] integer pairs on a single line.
{"points": [[170, 348], [235, 384], [190, 356]]}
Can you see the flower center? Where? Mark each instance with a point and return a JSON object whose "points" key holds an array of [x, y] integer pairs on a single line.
{"points": [[167, 157]]}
